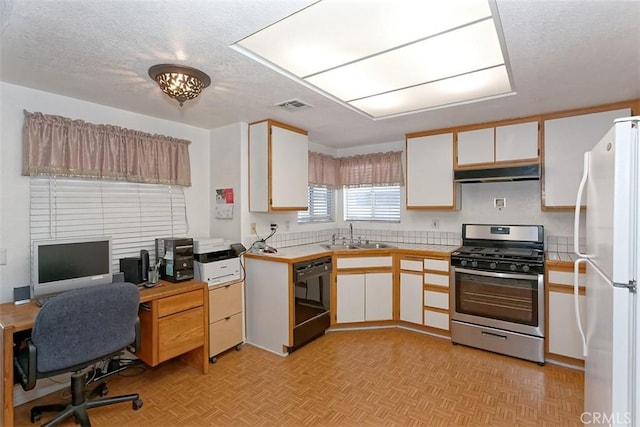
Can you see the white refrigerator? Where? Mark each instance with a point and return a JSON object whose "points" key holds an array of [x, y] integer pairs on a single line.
{"points": [[610, 322]]}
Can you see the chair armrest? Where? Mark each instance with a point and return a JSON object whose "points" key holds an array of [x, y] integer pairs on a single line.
{"points": [[24, 362]]}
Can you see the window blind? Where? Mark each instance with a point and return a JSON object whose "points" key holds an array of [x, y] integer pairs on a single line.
{"points": [[321, 202], [372, 203], [132, 214]]}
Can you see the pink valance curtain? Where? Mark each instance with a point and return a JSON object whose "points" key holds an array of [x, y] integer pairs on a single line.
{"points": [[323, 170], [372, 169], [55, 145]]}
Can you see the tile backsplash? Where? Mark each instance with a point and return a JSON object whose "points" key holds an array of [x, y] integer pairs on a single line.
{"points": [[286, 239], [283, 240]]}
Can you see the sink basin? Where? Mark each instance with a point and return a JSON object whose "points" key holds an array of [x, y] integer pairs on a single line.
{"points": [[374, 245], [348, 246], [341, 247]]}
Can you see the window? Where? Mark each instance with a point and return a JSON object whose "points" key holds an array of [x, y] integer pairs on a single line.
{"points": [[372, 203], [322, 204], [132, 214]]}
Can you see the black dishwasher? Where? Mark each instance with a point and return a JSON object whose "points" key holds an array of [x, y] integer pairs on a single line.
{"points": [[312, 300]]}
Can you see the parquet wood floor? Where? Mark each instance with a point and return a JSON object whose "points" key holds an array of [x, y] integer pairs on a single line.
{"points": [[348, 378]]}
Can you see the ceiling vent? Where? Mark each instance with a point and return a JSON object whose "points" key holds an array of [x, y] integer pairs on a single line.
{"points": [[293, 105]]}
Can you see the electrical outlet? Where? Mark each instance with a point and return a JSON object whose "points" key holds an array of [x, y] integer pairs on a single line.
{"points": [[499, 202], [253, 228], [435, 224]]}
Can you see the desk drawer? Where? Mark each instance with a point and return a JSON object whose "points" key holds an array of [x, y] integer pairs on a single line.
{"points": [[225, 334], [180, 333], [181, 302], [225, 301]]}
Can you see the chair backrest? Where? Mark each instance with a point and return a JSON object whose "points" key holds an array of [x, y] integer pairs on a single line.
{"points": [[82, 326]]}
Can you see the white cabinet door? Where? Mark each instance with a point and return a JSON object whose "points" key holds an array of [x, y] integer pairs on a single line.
{"points": [[378, 296], [411, 298], [565, 141], [564, 337], [475, 146], [350, 298], [289, 168], [430, 172], [278, 168], [517, 142]]}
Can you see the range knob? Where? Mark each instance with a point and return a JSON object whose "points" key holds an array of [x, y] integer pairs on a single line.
{"points": [[463, 262], [492, 265], [474, 263], [512, 267], [525, 268]]}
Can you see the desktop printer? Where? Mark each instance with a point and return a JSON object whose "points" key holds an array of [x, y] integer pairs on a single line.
{"points": [[176, 258], [216, 260]]}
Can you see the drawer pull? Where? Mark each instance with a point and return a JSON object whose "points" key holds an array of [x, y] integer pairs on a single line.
{"points": [[489, 334], [227, 286], [227, 318]]}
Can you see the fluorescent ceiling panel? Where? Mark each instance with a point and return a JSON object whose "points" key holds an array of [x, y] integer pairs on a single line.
{"points": [[456, 90], [355, 50]]}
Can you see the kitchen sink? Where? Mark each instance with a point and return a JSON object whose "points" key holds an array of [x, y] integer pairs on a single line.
{"points": [[374, 245], [340, 247], [348, 246]]}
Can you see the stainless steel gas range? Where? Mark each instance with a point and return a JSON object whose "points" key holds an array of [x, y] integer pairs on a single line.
{"points": [[497, 292]]}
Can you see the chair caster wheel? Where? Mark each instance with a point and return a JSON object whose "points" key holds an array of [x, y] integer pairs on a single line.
{"points": [[238, 347], [104, 391], [35, 418], [137, 404], [213, 360]]}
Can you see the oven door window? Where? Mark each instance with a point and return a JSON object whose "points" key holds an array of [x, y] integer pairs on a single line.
{"points": [[508, 299]]}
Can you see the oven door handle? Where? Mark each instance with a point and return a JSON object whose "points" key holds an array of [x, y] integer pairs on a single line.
{"points": [[499, 275]]}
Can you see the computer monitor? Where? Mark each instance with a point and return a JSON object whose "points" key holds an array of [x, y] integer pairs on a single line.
{"points": [[62, 265]]}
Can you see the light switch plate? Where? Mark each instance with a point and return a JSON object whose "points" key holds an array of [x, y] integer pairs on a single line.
{"points": [[499, 202]]}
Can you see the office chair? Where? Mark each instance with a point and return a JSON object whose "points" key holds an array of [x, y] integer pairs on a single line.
{"points": [[73, 331]]}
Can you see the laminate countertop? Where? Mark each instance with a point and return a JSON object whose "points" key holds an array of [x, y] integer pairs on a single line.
{"points": [[315, 250]]}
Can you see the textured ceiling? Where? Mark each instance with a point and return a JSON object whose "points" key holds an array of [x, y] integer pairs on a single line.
{"points": [[563, 55]]}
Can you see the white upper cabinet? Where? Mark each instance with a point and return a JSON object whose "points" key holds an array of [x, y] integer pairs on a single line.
{"points": [[487, 147], [430, 173], [517, 142], [278, 167], [565, 141], [476, 147]]}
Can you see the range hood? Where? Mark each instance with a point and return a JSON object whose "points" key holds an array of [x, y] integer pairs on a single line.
{"points": [[510, 173]]}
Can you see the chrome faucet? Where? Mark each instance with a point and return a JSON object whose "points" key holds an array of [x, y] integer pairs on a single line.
{"points": [[350, 232]]}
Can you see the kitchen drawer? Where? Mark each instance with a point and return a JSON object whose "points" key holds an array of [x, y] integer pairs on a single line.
{"points": [[436, 299], [181, 302], [411, 265], [565, 278], [436, 279], [180, 332], [436, 319], [363, 262], [225, 334], [225, 301], [436, 264]]}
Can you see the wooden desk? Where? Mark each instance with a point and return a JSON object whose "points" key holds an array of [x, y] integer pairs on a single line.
{"points": [[174, 321]]}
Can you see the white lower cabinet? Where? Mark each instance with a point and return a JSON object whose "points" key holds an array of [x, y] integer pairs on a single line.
{"points": [[411, 297], [364, 297], [564, 336]]}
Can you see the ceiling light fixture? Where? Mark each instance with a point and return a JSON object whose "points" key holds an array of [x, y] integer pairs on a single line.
{"points": [[179, 82], [390, 57]]}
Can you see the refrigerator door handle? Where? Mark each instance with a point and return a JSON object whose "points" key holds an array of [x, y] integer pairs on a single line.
{"points": [[576, 302], [576, 220]]}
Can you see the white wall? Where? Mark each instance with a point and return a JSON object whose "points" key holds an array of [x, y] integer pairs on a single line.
{"points": [[228, 170], [14, 188]]}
